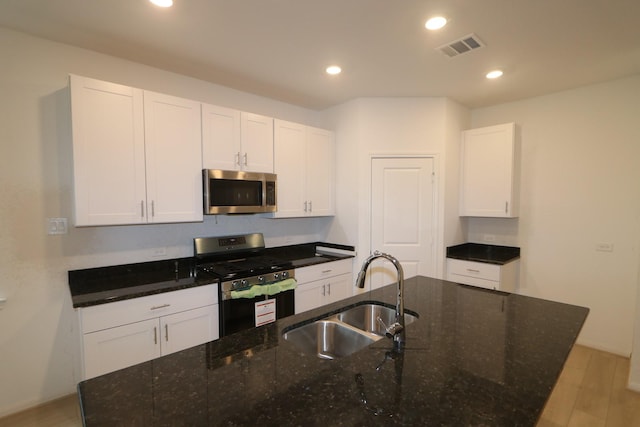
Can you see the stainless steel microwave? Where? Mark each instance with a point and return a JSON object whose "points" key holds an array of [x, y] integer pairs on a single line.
{"points": [[238, 192]]}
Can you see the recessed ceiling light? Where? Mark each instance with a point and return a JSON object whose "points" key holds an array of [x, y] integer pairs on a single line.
{"points": [[162, 3], [333, 70], [436, 23], [494, 74]]}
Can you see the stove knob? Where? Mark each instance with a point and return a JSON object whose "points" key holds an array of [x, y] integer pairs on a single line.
{"points": [[244, 282], [276, 276], [234, 284], [285, 274], [260, 279]]}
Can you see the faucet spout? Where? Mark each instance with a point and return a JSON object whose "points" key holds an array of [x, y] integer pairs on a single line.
{"points": [[397, 329]]}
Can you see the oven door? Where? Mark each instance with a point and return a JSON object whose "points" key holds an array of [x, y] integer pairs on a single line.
{"points": [[239, 314]]}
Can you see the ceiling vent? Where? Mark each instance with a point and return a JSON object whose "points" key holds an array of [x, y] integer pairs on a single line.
{"points": [[460, 46]]}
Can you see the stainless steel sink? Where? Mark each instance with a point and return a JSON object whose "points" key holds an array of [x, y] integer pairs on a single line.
{"points": [[365, 317], [329, 339], [344, 333]]}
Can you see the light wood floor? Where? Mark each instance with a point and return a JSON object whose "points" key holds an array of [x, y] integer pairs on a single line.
{"points": [[591, 391]]}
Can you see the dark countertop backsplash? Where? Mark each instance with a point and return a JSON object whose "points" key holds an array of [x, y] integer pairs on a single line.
{"points": [[100, 285]]}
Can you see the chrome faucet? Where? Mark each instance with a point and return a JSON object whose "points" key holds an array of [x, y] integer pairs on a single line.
{"points": [[395, 330]]}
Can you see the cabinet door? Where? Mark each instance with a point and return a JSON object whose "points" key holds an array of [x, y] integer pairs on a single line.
{"points": [[220, 138], [116, 348], [338, 288], [256, 136], [320, 172], [108, 152], [173, 158], [310, 296], [290, 166], [189, 328], [489, 173]]}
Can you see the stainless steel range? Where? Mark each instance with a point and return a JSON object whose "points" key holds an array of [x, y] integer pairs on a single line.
{"points": [[255, 288]]}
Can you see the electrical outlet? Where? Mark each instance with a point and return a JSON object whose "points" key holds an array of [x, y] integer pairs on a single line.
{"points": [[56, 226], [158, 252], [604, 247]]}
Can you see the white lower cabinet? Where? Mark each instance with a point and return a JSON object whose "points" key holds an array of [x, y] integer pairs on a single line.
{"points": [[120, 334], [502, 277], [323, 284]]}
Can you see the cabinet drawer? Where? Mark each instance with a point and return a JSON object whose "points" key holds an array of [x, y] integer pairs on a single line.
{"points": [[118, 313], [478, 270], [320, 271]]}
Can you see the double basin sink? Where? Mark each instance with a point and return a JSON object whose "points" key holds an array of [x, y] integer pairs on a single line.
{"points": [[345, 332]]}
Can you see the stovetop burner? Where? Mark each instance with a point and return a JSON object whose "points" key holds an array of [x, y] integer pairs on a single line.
{"points": [[243, 267]]}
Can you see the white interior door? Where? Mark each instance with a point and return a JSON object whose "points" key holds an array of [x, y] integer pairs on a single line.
{"points": [[402, 219]]}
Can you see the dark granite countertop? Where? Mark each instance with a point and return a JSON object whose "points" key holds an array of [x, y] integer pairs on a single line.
{"points": [[474, 357], [491, 254], [100, 285]]}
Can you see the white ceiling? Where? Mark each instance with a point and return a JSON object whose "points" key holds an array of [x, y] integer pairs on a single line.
{"points": [[280, 48]]}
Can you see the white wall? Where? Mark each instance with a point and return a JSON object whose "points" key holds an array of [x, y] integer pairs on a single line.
{"points": [[406, 126], [579, 187], [38, 342]]}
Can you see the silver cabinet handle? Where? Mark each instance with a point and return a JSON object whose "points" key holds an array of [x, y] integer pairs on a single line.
{"points": [[155, 335], [305, 205], [329, 287], [324, 290], [310, 206], [506, 207], [166, 332], [326, 271], [158, 307], [153, 208], [472, 270], [246, 159], [237, 158], [141, 208]]}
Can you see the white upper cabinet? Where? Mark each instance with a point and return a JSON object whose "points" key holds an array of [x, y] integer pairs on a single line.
{"points": [[290, 167], [304, 163], [490, 172], [173, 158], [235, 140], [108, 152], [136, 155], [220, 138], [256, 135], [320, 172]]}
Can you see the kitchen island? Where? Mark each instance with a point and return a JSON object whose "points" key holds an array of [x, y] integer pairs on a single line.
{"points": [[473, 357]]}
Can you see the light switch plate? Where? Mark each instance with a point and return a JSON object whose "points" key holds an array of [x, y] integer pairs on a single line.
{"points": [[56, 226], [604, 247]]}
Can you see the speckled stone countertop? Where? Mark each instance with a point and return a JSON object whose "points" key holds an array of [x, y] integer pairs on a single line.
{"points": [[101, 285], [491, 254], [475, 357]]}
